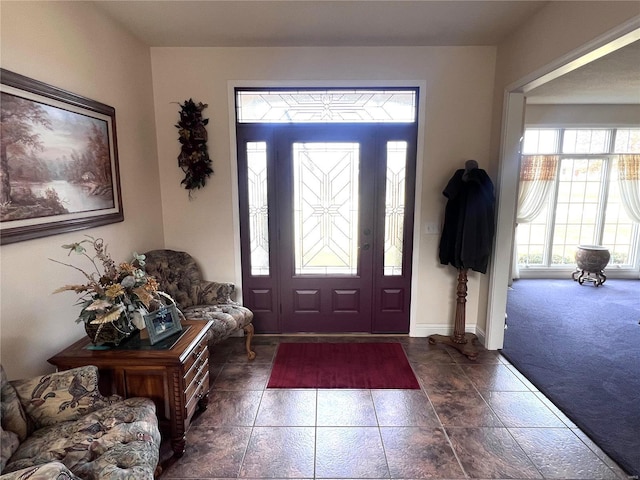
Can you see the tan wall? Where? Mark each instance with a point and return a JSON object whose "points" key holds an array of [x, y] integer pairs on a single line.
{"points": [[73, 47], [558, 29], [582, 115], [458, 97]]}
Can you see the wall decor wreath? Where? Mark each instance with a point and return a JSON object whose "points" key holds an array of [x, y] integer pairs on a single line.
{"points": [[193, 159]]}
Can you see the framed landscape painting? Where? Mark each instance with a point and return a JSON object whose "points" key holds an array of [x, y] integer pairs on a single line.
{"points": [[58, 161]]}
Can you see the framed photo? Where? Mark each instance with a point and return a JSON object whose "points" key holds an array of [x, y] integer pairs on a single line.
{"points": [[162, 323], [58, 161]]}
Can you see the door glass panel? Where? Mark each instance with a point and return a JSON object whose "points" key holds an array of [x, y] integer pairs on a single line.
{"points": [[326, 106], [394, 207], [326, 195], [258, 207]]}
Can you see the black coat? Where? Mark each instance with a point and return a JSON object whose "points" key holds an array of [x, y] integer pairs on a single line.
{"points": [[467, 234]]}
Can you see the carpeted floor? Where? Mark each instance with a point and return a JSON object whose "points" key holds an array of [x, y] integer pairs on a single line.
{"points": [[342, 365], [580, 346]]}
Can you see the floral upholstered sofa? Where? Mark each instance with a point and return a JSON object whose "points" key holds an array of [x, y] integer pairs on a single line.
{"points": [[178, 275], [59, 426]]}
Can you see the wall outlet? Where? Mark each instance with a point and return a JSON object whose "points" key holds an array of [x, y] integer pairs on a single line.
{"points": [[431, 228]]}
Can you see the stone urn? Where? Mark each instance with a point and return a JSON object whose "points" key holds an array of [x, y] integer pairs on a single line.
{"points": [[591, 261]]}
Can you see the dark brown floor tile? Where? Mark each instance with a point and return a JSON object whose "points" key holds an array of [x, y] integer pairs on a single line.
{"points": [[463, 408], [427, 354], [522, 409], [227, 408], [280, 452], [342, 408], [490, 453], [284, 407], [350, 452], [496, 377], [419, 452], [620, 473], [558, 453], [285, 443], [266, 339], [522, 378], [219, 352], [557, 412], [241, 376], [214, 371], [442, 377], [403, 408], [355, 338], [484, 356], [212, 452], [265, 353]]}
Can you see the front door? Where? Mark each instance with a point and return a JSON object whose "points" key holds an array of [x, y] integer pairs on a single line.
{"points": [[326, 227]]}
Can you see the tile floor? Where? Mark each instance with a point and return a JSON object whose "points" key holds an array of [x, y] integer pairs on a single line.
{"points": [[477, 419]]}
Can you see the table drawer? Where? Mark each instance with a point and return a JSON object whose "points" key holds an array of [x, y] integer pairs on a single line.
{"points": [[196, 353], [198, 379], [198, 389], [197, 365]]}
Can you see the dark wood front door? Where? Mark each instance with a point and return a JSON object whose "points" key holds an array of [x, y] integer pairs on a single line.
{"points": [[326, 226]]}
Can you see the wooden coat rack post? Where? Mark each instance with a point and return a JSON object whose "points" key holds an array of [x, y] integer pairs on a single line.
{"points": [[460, 340]]}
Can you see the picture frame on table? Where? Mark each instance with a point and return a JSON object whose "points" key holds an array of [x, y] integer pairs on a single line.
{"points": [[59, 167], [162, 323]]}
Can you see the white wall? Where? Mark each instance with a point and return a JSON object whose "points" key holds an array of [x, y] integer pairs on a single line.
{"points": [[71, 46], [458, 100]]}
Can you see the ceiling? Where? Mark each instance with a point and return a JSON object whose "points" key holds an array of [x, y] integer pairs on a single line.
{"points": [[612, 79], [252, 23], [262, 23]]}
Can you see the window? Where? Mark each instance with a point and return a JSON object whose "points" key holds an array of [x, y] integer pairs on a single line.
{"points": [[327, 106], [584, 204]]}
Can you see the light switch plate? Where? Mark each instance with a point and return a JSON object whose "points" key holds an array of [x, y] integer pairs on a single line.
{"points": [[431, 228]]}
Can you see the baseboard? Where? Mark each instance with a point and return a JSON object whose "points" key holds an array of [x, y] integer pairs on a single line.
{"points": [[446, 329], [438, 329]]}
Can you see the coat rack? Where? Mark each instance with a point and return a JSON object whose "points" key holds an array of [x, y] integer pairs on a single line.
{"points": [[466, 243], [464, 342]]}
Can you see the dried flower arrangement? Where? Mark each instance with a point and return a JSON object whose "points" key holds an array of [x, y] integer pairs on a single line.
{"points": [[119, 295], [193, 159]]}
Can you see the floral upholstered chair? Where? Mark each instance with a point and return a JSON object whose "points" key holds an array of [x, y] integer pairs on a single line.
{"points": [[59, 426], [198, 299]]}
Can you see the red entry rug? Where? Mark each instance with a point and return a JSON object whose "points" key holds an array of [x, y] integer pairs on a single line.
{"points": [[342, 365]]}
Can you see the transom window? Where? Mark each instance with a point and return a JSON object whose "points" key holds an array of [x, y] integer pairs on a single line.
{"points": [[327, 106], [579, 196]]}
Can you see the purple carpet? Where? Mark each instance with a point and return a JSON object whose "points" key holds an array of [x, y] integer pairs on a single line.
{"points": [[580, 345]]}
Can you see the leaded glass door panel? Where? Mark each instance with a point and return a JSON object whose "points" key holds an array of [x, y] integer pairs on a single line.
{"points": [[326, 223], [326, 258]]}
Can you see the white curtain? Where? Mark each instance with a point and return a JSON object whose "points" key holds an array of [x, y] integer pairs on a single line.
{"points": [[537, 177], [629, 183]]}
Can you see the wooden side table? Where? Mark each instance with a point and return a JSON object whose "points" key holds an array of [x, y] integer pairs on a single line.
{"points": [[173, 373]]}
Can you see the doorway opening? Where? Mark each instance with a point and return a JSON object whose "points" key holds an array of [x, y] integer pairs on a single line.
{"points": [[326, 192]]}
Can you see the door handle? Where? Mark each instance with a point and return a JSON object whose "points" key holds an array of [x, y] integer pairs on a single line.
{"points": [[366, 246]]}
